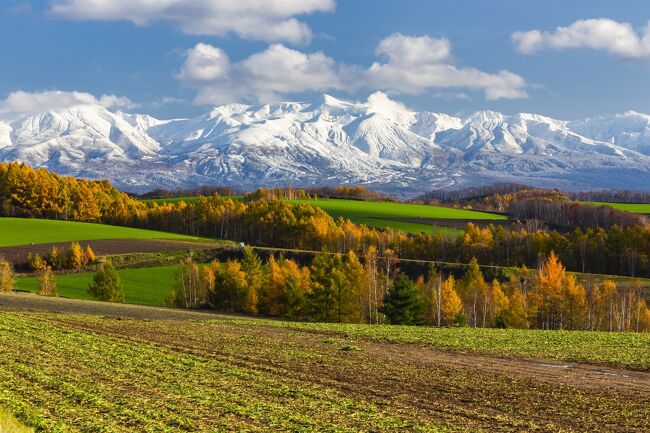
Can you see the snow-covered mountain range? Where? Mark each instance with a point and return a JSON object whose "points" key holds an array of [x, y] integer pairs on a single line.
{"points": [[330, 142]]}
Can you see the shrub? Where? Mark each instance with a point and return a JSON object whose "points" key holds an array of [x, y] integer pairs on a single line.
{"points": [[36, 262], [106, 284], [54, 259]]}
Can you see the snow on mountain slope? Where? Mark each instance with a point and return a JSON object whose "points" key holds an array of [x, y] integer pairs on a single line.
{"points": [[5, 135], [329, 141], [630, 130], [77, 135]]}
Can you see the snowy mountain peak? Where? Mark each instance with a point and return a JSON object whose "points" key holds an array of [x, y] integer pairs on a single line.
{"points": [[485, 118], [378, 142]]}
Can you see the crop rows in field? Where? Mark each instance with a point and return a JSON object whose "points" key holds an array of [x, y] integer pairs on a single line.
{"points": [[91, 382], [619, 349], [81, 373]]}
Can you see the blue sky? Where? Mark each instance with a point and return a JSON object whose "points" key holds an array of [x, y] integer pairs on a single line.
{"points": [[171, 66]]}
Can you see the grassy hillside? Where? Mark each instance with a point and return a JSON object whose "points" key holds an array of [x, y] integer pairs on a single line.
{"points": [[383, 214], [386, 214], [124, 375], [23, 231], [628, 207], [147, 286]]}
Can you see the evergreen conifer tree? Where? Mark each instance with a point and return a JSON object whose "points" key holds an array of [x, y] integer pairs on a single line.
{"points": [[403, 304], [106, 284]]}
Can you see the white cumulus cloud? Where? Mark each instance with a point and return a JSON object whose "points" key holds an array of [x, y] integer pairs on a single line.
{"points": [[620, 39], [417, 64], [412, 65], [266, 20], [409, 50], [205, 63], [262, 77], [20, 102]]}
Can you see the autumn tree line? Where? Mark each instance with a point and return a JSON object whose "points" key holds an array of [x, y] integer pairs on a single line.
{"points": [[615, 196], [261, 219], [74, 258], [344, 288], [542, 207]]}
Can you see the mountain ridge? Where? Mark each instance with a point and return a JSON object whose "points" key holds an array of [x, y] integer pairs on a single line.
{"points": [[379, 143]]}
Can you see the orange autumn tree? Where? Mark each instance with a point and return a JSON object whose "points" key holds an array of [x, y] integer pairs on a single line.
{"points": [[559, 300], [451, 305], [7, 279]]}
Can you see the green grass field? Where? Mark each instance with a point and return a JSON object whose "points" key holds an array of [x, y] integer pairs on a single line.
{"points": [[24, 231], [628, 207], [146, 286], [383, 214]]}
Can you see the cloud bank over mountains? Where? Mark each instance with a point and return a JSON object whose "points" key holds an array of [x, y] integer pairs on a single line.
{"points": [[20, 102], [407, 65]]}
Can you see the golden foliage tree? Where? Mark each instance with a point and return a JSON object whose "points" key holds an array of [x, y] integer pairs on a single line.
{"points": [[47, 282], [7, 279], [89, 255], [451, 304], [75, 256]]}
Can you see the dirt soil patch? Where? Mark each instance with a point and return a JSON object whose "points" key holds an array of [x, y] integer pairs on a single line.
{"points": [[21, 301], [106, 247]]}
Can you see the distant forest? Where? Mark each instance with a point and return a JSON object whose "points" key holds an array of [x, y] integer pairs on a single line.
{"points": [[261, 218]]}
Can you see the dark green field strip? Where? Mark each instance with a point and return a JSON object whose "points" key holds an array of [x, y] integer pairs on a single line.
{"points": [[147, 286], [175, 200], [396, 215]]}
